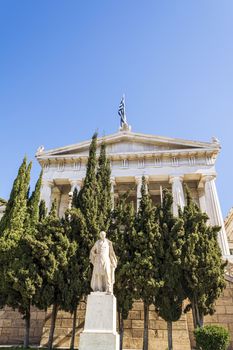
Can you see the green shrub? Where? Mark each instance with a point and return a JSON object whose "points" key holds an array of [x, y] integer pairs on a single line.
{"points": [[212, 338]]}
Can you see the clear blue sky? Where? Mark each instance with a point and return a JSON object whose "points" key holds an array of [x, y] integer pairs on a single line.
{"points": [[65, 64]]}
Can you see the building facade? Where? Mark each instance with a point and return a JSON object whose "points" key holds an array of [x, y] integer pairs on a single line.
{"points": [[165, 162]]}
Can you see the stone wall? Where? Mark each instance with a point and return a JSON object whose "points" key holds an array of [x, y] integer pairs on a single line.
{"points": [[133, 330], [223, 315], [12, 326]]}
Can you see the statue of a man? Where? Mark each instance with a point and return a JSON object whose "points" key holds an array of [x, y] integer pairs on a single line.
{"points": [[104, 260]]}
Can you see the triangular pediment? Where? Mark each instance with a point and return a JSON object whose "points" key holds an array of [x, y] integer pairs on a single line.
{"points": [[129, 142]]}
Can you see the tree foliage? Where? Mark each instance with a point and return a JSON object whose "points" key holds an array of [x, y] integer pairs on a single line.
{"points": [[104, 188], [168, 300], [145, 242], [121, 232], [55, 257], [203, 267], [20, 275]]}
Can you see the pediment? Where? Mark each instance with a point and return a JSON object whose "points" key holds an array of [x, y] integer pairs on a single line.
{"points": [[128, 143]]}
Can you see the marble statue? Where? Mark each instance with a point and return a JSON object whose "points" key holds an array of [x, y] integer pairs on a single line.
{"points": [[104, 262]]}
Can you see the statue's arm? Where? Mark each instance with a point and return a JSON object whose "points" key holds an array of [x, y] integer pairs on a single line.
{"points": [[113, 257], [93, 253]]}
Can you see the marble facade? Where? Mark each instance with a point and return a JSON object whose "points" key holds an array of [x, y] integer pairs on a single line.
{"points": [[165, 162]]}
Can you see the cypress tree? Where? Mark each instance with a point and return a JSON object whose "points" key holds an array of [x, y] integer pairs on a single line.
{"points": [[15, 211], [104, 188], [42, 210], [20, 276], [203, 267], [120, 232], [168, 301], [73, 291], [84, 228], [87, 200], [84, 215], [144, 244], [34, 203], [54, 260]]}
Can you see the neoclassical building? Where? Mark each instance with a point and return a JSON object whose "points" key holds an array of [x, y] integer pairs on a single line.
{"points": [[165, 162]]}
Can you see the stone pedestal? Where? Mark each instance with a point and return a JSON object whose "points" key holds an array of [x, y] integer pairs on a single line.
{"points": [[100, 323]]}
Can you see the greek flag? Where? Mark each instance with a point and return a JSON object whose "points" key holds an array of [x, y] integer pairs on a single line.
{"points": [[121, 111]]}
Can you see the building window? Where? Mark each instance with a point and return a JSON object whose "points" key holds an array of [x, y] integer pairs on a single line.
{"points": [[141, 163], [175, 161], [231, 251], [192, 160], [125, 163], [157, 162]]}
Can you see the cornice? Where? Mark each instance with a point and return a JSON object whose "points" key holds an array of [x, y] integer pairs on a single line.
{"points": [[181, 153]]}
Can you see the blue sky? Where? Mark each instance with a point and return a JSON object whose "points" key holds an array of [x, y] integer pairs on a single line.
{"points": [[65, 64]]}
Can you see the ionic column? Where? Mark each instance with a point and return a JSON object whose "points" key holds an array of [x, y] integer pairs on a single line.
{"points": [[138, 180], [113, 184], [177, 193], [214, 212], [46, 192], [75, 184]]}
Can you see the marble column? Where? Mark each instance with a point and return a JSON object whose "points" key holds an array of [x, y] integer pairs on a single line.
{"points": [[75, 184], [46, 192], [138, 180], [113, 184], [202, 199], [177, 192], [214, 212]]}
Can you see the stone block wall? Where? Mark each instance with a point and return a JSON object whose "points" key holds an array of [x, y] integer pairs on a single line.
{"points": [[223, 315], [157, 330], [12, 326], [133, 329], [63, 329]]}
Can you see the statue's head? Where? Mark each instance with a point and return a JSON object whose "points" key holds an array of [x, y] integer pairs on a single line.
{"points": [[102, 235]]}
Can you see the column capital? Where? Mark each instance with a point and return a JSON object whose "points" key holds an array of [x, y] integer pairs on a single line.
{"points": [[138, 179], [75, 182], [207, 178], [173, 178]]}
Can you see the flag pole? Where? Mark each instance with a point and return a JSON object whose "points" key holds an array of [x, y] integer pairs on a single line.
{"points": [[124, 108]]}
